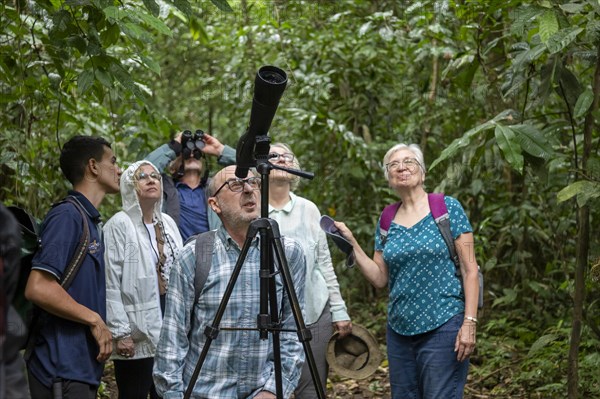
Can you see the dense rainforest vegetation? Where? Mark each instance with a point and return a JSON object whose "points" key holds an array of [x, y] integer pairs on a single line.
{"points": [[503, 97]]}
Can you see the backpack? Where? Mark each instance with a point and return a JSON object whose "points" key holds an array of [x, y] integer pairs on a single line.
{"points": [[30, 242], [204, 247], [30, 233], [440, 215]]}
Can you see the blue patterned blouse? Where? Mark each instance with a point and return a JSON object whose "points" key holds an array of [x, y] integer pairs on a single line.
{"points": [[424, 290]]}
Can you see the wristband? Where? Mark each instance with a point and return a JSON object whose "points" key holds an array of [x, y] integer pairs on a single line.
{"points": [[471, 318]]}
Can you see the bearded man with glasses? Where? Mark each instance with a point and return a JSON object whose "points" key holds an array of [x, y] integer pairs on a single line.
{"points": [[239, 364]]}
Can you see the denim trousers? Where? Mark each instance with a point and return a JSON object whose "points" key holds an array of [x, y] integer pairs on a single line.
{"points": [[424, 366]]}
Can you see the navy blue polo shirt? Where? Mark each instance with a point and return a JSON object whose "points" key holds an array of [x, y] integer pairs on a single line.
{"points": [[193, 217], [66, 349]]}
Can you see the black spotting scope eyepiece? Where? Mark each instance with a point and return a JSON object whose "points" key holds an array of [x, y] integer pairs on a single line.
{"points": [[269, 84]]}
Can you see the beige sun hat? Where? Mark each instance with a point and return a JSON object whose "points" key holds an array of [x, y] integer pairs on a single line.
{"points": [[355, 356]]}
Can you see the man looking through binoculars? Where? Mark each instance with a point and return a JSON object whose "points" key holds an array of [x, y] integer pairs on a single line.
{"points": [[185, 179]]}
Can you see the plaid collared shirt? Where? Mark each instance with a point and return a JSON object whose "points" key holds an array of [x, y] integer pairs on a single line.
{"points": [[238, 364]]}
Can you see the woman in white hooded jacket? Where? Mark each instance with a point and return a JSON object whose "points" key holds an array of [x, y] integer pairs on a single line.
{"points": [[141, 245]]}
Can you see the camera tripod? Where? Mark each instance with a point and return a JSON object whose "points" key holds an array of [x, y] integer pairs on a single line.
{"points": [[271, 249]]}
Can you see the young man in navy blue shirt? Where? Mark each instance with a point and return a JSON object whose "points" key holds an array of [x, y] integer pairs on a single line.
{"points": [[73, 342]]}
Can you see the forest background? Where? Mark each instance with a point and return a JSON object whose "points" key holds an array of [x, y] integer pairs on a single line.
{"points": [[503, 97]]}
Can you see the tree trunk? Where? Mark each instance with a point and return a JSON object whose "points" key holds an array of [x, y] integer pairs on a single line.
{"points": [[583, 245]]}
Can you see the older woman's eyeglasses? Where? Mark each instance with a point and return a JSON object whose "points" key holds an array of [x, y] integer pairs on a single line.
{"points": [[409, 163], [287, 157], [143, 176], [237, 185]]}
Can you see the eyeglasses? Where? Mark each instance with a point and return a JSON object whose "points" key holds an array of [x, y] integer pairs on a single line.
{"points": [[143, 176], [237, 185], [287, 157], [409, 163]]}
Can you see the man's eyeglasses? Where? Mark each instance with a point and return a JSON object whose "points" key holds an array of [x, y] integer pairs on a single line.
{"points": [[409, 163], [237, 185], [287, 157], [143, 176]]}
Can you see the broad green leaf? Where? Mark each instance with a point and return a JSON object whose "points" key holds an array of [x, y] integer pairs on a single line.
{"points": [[542, 342], [114, 14], [510, 147], [151, 63], [572, 8], [152, 6], [532, 141], [85, 81], [562, 39], [529, 56], [104, 77], [522, 18], [135, 31], [110, 35], [509, 297], [155, 23], [77, 42], [568, 85], [583, 103], [125, 79], [583, 189], [548, 25], [464, 141], [364, 29], [222, 5], [183, 6], [61, 21]]}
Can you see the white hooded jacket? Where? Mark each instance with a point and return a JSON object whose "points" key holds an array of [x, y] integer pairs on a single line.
{"points": [[132, 296]]}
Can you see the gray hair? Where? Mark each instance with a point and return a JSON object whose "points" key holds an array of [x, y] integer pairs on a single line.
{"points": [[414, 148], [295, 180], [212, 187]]}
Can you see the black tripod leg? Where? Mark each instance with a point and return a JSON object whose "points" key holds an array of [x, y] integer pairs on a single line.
{"points": [[212, 331], [304, 334], [269, 316]]}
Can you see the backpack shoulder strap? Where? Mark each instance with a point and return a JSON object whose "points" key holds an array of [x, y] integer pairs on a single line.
{"points": [[385, 221], [439, 211], [68, 276], [205, 243], [81, 250]]}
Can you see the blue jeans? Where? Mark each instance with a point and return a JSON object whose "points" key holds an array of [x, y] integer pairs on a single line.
{"points": [[424, 366]]}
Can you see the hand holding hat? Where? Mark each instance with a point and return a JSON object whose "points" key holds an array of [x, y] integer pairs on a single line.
{"points": [[328, 226]]}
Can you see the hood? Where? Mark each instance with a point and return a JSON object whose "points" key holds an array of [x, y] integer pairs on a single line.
{"points": [[131, 203]]}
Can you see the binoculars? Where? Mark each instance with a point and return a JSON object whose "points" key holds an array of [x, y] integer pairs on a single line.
{"points": [[192, 144]]}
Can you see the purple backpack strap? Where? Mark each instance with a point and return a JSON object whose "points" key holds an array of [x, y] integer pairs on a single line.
{"points": [[388, 215], [437, 205], [385, 221]]}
